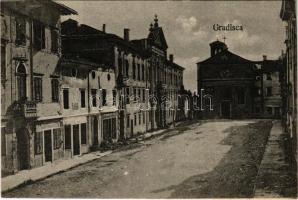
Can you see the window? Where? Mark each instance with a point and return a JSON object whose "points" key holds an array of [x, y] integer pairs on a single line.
{"points": [[144, 121], [93, 94], [140, 118], [258, 109], [38, 143], [127, 120], [83, 98], [57, 138], [120, 64], [20, 31], [241, 95], [83, 133], [139, 94], [144, 95], [268, 75], [143, 72], [139, 72], [109, 129], [54, 41], [269, 110], [104, 97], [38, 89], [134, 70], [269, 91], [65, 98], [67, 129], [114, 97], [3, 141], [135, 119], [39, 35], [21, 82], [127, 96], [126, 67], [3, 62], [55, 90], [134, 94]]}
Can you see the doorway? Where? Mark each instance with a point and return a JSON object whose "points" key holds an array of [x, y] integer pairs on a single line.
{"points": [[23, 151], [95, 131], [226, 109], [76, 139], [48, 145]]}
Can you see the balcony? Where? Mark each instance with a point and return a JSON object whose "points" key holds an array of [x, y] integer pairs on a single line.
{"points": [[25, 109]]}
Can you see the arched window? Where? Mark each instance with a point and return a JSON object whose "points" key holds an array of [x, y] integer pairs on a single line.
{"points": [[21, 82]]}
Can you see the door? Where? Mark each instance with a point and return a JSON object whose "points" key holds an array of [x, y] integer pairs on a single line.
{"points": [[131, 127], [225, 109], [23, 152], [76, 139], [48, 145], [95, 131]]}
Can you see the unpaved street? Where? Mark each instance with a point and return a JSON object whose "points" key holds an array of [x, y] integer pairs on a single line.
{"points": [[205, 159]]}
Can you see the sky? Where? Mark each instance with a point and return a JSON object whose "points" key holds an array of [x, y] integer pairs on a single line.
{"points": [[188, 26]]}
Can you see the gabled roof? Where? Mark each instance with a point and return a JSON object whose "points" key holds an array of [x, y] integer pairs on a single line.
{"points": [[225, 57], [157, 37]]}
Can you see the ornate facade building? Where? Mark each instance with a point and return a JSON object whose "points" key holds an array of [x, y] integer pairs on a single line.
{"points": [[31, 126]]}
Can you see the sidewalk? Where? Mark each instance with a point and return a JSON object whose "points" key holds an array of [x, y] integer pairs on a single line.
{"points": [[276, 176], [35, 174]]}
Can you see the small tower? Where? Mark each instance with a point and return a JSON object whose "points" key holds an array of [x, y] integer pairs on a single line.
{"points": [[217, 47]]}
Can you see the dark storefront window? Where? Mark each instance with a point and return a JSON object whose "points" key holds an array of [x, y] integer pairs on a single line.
{"points": [[83, 133], [67, 129], [57, 138]]}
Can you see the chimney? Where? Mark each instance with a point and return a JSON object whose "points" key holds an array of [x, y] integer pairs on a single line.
{"points": [[264, 57], [104, 28], [171, 57], [126, 34]]}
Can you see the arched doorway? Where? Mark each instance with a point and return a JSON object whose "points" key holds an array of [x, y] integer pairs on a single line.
{"points": [[21, 82], [23, 151]]}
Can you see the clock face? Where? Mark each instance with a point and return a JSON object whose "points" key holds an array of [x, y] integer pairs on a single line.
{"points": [[225, 73]]}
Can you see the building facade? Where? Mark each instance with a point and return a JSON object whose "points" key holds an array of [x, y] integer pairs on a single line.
{"points": [[30, 51], [230, 86], [226, 84], [288, 15]]}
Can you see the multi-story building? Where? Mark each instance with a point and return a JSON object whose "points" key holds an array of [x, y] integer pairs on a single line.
{"points": [[288, 15], [119, 55], [31, 128], [165, 78], [267, 98]]}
